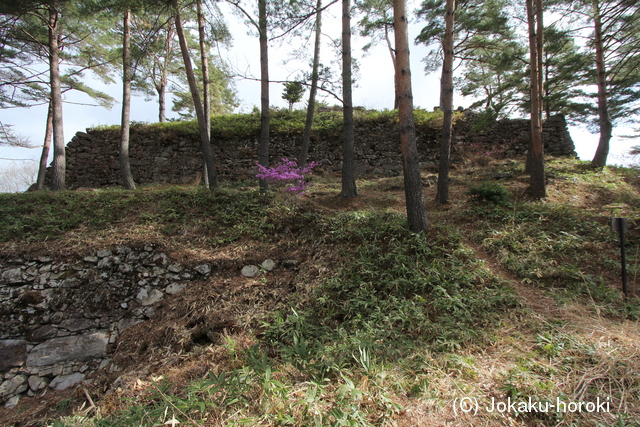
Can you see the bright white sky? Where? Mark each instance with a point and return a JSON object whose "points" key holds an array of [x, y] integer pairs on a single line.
{"points": [[374, 90]]}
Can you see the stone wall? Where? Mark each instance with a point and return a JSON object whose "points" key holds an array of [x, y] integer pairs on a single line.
{"points": [[159, 155], [59, 320]]}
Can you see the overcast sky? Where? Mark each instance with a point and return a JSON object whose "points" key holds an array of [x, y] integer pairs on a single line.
{"points": [[374, 89]]}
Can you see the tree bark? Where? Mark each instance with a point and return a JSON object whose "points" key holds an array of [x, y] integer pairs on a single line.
{"points": [[263, 155], [538, 10], [540, 53], [162, 102], [606, 126], [59, 159], [446, 104], [348, 134], [537, 187], [306, 137], [416, 210], [392, 53], [161, 88], [46, 146], [125, 166], [207, 152], [206, 83]]}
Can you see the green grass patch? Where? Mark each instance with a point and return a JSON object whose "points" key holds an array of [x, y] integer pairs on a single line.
{"points": [[397, 289], [556, 247], [224, 213]]}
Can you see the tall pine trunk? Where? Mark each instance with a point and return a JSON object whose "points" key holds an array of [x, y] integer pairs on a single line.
{"points": [[207, 152], [348, 134], [538, 10], [306, 137], [161, 88], [125, 166], [446, 103], [263, 149], [416, 210], [206, 82], [59, 159], [46, 146], [537, 187], [540, 53], [606, 126]]}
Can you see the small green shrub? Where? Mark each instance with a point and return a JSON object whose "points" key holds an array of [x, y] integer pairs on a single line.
{"points": [[491, 193]]}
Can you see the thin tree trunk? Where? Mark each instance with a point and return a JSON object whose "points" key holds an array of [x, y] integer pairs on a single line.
{"points": [[206, 81], [46, 146], [162, 102], [263, 150], [540, 53], [207, 152], [125, 166], [348, 162], [537, 187], [306, 137], [606, 126], [416, 210], [164, 75], [59, 159], [392, 53], [446, 103]]}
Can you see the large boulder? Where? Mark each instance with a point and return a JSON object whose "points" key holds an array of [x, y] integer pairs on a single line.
{"points": [[77, 348]]}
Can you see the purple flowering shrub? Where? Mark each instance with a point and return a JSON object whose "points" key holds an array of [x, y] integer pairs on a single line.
{"points": [[287, 174]]}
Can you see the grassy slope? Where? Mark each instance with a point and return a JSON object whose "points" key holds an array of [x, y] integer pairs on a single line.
{"points": [[505, 298]]}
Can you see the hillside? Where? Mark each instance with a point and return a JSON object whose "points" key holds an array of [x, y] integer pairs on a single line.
{"points": [[361, 323]]}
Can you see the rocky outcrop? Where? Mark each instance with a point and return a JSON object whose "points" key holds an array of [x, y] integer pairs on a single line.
{"points": [[162, 155], [59, 320]]}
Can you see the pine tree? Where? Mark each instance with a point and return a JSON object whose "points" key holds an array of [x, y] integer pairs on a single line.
{"points": [[537, 187], [567, 70], [50, 32], [263, 150], [616, 43], [158, 58], [349, 189], [293, 92], [416, 210], [125, 165], [377, 24], [223, 96], [207, 151], [446, 103], [481, 34], [315, 73], [59, 160], [261, 25]]}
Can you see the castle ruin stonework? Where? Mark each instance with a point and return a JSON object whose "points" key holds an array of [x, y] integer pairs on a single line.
{"points": [[172, 155]]}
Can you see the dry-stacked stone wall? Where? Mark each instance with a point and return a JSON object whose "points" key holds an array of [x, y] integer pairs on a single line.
{"points": [[160, 155], [60, 319]]}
